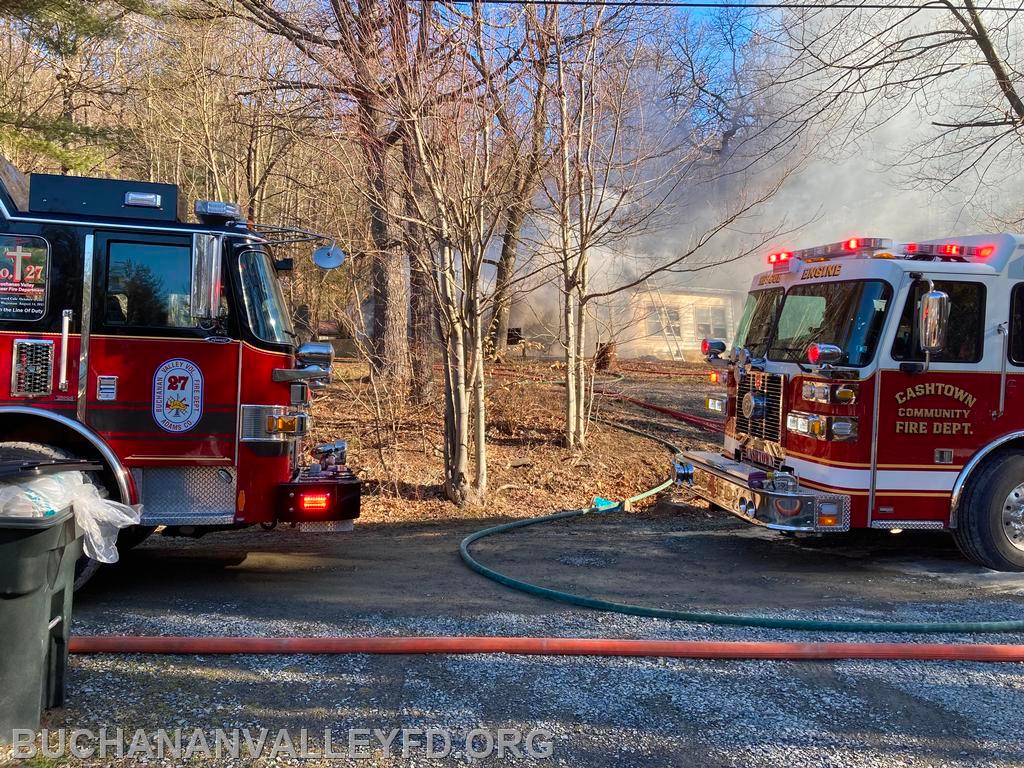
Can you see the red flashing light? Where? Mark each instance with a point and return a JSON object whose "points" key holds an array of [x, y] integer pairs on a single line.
{"points": [[910, 248], [985, 251], [951, 249], [314, 502], [813, 354], [780, 257], [853, 244], [705, 347]]}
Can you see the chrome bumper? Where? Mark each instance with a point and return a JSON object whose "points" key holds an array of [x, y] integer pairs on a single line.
{"points": [[746, 491]]}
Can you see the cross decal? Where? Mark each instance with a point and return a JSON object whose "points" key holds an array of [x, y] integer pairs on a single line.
{"points": [[18, 255]]}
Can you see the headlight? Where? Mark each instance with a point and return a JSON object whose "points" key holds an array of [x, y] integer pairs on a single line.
{"points": [[843, 428], [822, 427], [715, 404], [815, 392], [823, 392]]}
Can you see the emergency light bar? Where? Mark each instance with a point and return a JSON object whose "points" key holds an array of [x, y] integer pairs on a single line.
{"points": [[854, 245], [844, 248], [217, 212], [949, 250]]}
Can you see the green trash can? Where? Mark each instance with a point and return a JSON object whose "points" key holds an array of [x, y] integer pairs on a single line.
{"points": [[37, 574]]}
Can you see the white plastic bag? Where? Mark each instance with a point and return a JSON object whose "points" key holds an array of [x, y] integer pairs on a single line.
{"points": [[100, 519]]}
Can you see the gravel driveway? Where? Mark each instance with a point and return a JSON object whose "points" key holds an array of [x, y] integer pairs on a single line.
{"points": [[397, 580]]}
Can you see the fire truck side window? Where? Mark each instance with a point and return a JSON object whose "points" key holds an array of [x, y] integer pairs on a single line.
{"points": [[966, 324], [1017, 324], [149, 285]]}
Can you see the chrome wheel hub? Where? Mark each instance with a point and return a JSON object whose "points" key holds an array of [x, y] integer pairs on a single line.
{"points": [[1013, 517]]}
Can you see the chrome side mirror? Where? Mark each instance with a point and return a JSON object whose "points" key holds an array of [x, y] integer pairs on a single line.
{"points": [[206, 277], [933, 320], [315, 353], [328, 256]]}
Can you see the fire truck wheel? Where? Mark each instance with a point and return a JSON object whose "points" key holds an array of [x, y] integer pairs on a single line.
{"points": [[132, 536], [990, 526], [86, 567]]}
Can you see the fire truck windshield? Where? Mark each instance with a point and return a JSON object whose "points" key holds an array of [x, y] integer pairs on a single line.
{"points": [[264, 303], [847, 314], [758, 320]]}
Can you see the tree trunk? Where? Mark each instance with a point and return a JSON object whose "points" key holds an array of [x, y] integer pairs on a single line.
{"points": [[390, 350], [580, 393], [479, 407], [498, 331], [421, 337], [456, 401], [421, 297], [569, 330]]}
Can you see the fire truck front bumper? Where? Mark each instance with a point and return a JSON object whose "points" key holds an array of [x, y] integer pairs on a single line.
{"points": [[752, 493]]}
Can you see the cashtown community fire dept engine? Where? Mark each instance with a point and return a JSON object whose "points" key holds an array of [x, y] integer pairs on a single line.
{"points": [[163, 351], [878, 385]]}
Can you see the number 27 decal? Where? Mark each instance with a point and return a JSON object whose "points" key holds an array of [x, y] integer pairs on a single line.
{"points": [[177, 395]]}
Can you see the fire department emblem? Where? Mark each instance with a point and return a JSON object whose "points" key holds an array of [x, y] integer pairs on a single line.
{"points": [[177, 395]]}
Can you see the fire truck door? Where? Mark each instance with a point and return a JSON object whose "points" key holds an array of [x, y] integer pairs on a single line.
{"points": [[160, 389], [931, 422]]}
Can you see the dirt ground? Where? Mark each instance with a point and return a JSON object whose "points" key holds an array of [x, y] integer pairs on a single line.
{"points": [[397, 575], [396, 448]]}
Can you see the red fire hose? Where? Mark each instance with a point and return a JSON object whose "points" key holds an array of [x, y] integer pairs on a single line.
{"points": [[662, 372], [712, 425], [549, 646]]}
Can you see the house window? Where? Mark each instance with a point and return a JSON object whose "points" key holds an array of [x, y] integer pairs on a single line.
{"points": [[665, 321], [710, 322]]}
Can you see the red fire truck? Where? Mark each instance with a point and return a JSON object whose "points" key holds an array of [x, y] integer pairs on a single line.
{"points": [[874, 385], [162, 350]]}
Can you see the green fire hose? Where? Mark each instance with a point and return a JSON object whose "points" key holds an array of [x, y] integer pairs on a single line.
{"points": [[696, 617]]}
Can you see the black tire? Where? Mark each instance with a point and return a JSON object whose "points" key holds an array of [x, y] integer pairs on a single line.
{"points": [[86, 567], [981, 533], [132, 536]]}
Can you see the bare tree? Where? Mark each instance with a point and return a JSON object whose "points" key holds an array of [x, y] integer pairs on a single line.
{"points": [[950, 69], [459, 209], [619, 173], [345, 42], [525, 117]]}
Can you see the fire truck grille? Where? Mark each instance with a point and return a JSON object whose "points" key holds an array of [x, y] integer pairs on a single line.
{"points": [[32, 368], [769, 426]]}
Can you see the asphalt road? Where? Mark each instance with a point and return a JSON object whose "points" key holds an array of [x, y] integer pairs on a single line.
{"points": [[395, 580]]}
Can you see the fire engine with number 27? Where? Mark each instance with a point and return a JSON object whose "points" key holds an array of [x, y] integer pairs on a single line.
{"points": [[162, 350], [874, 384]]}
